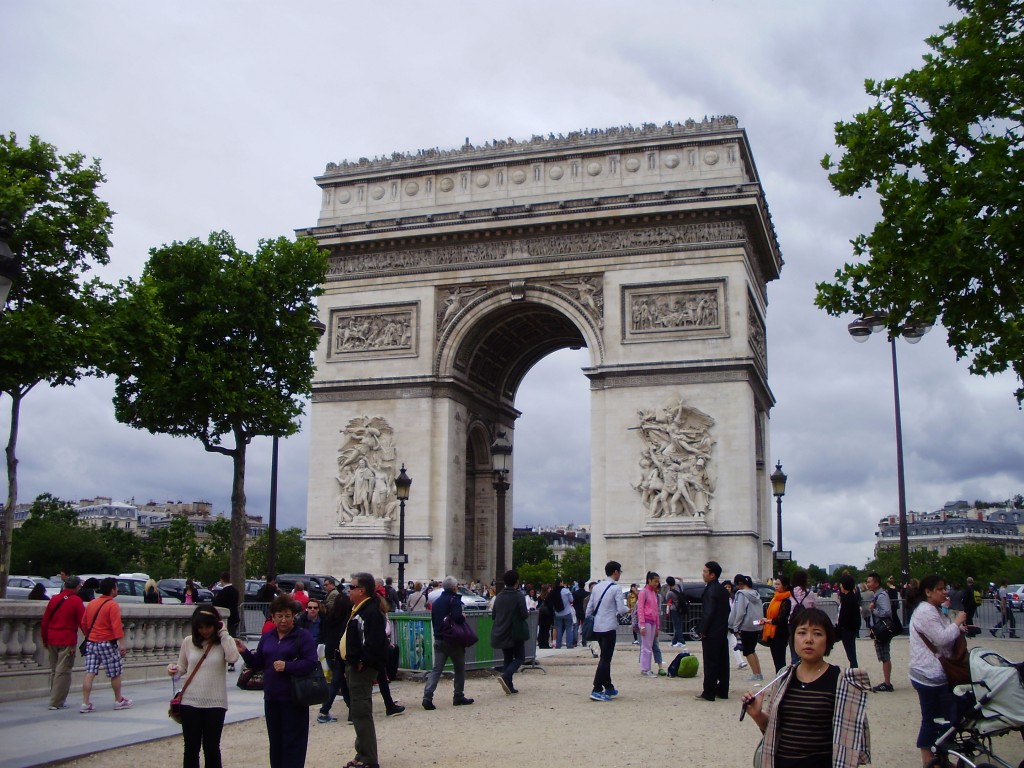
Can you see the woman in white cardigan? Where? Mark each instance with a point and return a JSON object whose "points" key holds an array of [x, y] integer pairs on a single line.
{"points": [[926, 672], [202, 663]]}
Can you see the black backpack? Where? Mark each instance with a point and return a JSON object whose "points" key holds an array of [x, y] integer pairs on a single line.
{"points": [[555, 600], [680, 601]]}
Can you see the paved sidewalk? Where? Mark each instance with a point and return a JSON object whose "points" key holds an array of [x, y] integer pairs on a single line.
{"points": [[32, 735]]}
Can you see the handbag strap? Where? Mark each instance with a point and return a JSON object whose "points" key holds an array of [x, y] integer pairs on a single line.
{"points": [[196, 668], [600, 599], [94, 618]]}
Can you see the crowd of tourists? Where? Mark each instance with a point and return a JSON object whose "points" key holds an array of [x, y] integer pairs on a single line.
{"points": [[812, 713]]}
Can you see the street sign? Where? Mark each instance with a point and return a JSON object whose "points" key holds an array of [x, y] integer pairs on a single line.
{"points": [[784, 554], [398, 559]]}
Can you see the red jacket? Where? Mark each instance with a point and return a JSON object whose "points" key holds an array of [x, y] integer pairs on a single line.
{"points": [[62, 617]]}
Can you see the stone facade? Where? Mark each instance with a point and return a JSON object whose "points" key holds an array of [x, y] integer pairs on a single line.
{"points": [[453, 273]]}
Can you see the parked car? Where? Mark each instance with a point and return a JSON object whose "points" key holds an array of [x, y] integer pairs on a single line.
{"points": [[471, 601], [176, 587], [1015, 596], [18, 587], [313, 582], [133, 590], [252, 586]]}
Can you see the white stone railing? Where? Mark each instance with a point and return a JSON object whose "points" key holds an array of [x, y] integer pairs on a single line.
{"points": [[153, 635]]}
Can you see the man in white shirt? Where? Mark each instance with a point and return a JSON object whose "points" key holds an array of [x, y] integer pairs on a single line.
{"points": [[606, 603]]}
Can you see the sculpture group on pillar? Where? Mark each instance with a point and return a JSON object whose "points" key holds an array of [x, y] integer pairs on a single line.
{"points": [[366, 471], [675, 478]]}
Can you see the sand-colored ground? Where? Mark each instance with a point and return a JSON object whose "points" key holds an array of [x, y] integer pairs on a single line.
{"points": [[552, 722]]}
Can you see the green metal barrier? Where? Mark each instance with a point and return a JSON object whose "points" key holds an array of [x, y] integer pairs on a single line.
{"points": [[416, 642]]}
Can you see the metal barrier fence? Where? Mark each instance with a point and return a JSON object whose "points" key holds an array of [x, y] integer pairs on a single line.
{"points": [[415, 637]]}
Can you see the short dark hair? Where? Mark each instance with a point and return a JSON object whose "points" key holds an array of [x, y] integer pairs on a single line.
{"points": [[203, 616], [814, 617], [670, 581], [875, 575], [847, 581], [225, 576], [73, 582], [108, 585], [511, 577], [784, 580], [611, 567], [714, 567], [930, 582], [283, 603], [799, 578]]}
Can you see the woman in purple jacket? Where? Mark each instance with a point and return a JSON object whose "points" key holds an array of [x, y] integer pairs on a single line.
{"points": [[283, 651]]}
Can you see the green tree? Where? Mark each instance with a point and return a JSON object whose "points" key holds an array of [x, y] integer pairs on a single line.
{"points": [[291, 553], [528, 550], [124, 548], [575, 564], [216, 343], [48, 507], [48, 331], [213, 555], [537, 574], [942, 147]]}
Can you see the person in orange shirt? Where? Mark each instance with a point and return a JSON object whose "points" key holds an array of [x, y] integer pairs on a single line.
{"points": [[104, 645]]}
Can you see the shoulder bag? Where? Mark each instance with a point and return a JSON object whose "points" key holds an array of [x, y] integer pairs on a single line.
{"points": [[309, 690], [884, 628], [459, 635], [174, 709], [957, 665], [83, 648], [587, 631]]}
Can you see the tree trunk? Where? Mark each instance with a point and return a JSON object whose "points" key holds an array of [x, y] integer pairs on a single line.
{"points": [[239, 521], [7, 531]]}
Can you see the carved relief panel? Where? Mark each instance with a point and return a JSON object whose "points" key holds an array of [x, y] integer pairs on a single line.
{"points": [[680, 310], [676, 479], [756, 334], [384, 330], [366, 472]]}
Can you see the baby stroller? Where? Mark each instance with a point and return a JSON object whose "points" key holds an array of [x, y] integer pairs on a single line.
{"points": [[992, 705]]}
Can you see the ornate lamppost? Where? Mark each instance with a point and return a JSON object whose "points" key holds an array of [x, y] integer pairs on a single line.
{"points": [[402, 483], [861, 329], [318, 326], [778, 478], [501, 451]]}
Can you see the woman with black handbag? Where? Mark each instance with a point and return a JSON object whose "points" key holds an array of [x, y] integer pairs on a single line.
{"points": [[283, 652], [203, 700]]}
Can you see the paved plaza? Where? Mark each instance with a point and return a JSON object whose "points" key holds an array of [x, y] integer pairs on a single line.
{"points": [[652, 722]]}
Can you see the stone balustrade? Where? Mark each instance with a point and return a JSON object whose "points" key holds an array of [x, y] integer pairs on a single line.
{"points": [[153, 635]]}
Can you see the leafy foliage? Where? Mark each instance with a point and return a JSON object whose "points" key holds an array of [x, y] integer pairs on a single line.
{"points": [[941, 145], [217, 342], [575, 564], [49, 330], [537, 573], [291, 553], [528, 550]]}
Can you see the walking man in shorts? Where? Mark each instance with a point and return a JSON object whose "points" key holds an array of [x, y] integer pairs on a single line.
{"points": [[881, 607], [104, 645]]}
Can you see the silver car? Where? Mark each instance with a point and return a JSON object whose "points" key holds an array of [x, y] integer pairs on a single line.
{"points": [[471, 601]]}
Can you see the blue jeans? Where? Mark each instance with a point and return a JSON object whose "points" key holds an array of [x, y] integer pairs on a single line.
{"points": [[678, 628], [514, 659], [936, 701], [563, 628]]}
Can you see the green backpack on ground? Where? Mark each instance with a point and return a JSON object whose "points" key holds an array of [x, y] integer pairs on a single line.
{"points": [[683, 665]]}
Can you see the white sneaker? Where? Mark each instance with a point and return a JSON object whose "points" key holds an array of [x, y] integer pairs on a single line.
{"points": [[742, 665], [678, 645], [648, 673], [124, 703]]}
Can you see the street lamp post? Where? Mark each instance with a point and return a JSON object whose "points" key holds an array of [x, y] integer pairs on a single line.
{"points": [[501, 450], [318, 326], [402, 483], [861, 329], [778, 478]]}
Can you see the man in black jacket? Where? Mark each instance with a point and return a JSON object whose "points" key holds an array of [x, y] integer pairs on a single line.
{"points": [[714, 635], [364, 648], [510, 611]]}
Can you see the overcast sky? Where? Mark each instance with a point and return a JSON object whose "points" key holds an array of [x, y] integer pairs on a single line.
{"points": [[210, 116]]}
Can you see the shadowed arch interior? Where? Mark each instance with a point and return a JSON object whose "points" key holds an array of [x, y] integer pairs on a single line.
{"points": [[499, 352]]}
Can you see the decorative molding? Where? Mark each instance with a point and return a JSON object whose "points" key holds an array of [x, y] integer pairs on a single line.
{"points": [[505, 147], [674, 311], [756, 334], [376, 331], [537, 248]]}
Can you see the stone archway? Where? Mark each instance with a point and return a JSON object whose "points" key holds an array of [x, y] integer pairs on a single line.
{"points": [[452, 274]]}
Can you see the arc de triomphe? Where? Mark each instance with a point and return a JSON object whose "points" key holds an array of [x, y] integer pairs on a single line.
{"points": [[453, 272]]}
